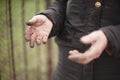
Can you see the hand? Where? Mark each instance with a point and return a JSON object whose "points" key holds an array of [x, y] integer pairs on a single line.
{"points": [[98, 42], [40, 28]]}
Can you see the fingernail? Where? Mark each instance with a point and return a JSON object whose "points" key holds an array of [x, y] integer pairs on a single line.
{"points": [[70, 52], [44, 40], [82, 38], [31, 44], [38, 43], [29, 23], [27, 38]]}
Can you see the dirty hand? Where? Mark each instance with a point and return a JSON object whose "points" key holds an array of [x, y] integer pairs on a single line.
{"points": [[98, 42], [40, 28]]}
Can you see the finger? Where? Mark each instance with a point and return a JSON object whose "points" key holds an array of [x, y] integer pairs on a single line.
{"points": [[28, 34], [72, 52], [76, 57], [32, 41], [89, 39], [39, 39], [73, 55], [45, 39], [79, 58], [31, 44]]}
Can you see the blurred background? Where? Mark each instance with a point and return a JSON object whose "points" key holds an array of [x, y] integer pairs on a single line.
{"points": [[17, 60]]}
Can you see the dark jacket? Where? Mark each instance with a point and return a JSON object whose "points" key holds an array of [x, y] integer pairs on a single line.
{"points": [[74, 18]]}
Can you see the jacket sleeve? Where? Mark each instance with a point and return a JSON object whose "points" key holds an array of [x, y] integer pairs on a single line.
{"points": [[113, 35], [56, 13]]}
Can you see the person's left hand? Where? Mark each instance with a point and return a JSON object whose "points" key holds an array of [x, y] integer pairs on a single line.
{"points": [[98, 42]]}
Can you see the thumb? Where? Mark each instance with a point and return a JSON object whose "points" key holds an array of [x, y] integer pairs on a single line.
{"points": [[36, 20], [32, 21], [89, 39]]}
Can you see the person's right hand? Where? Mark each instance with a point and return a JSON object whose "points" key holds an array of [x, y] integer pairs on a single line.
{"points": [[40, 28]]}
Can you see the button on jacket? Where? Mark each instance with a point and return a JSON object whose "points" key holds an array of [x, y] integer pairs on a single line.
{"points": [[73, 19]]}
